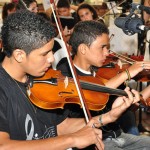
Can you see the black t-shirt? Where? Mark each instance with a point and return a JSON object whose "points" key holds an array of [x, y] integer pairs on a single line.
{"points": [[20, 118]]}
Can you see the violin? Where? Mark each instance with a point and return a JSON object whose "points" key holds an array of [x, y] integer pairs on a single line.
{"points": [[53, 90], [111, 68]]}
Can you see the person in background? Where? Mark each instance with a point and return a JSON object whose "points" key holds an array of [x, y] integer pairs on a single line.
{"points": [[64, 8], [87, 12], [8, 9], [30, 5], [64, 11], [146, 16]]}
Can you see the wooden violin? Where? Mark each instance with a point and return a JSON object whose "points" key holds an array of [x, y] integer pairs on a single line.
{"points": [[53, 90]]}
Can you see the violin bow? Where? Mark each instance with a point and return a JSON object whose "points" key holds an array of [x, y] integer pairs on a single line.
{"points": [[24, 4], [72, 68], [120, 56], [113, 8]]}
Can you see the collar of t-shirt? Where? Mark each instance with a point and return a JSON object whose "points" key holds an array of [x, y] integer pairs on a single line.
{"points": [[85, 72]]}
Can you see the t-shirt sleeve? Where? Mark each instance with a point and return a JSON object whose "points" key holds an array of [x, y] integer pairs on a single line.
{"points": [[3, 111]]}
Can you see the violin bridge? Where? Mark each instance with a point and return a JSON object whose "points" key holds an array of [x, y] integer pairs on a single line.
{"points": [[28, 92], [66, 82], [119, 64]]}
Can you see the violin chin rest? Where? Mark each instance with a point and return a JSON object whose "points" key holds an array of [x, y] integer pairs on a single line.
{"points": [[109, 65]]}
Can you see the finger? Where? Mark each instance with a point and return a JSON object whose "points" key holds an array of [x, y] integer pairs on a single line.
{"points": [[136, 96], [93, 123], [130, 95], [98, 132], [99, 144], [127, 101]]}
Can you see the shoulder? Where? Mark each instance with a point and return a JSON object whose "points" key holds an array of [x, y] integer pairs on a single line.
{"points": [[63, 66]]}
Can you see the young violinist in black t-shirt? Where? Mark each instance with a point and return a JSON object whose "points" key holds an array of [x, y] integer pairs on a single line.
{"points": [[90, 44]]}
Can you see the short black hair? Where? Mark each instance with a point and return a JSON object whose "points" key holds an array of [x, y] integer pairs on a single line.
{"points": [[24, 4], [63, 4], [25, 30], [44, 15], [86, 32], [90, 8]]}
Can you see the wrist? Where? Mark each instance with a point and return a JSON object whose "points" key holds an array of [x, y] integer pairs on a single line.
{"points": [[128, 77], [70, 141], [100, 120]]}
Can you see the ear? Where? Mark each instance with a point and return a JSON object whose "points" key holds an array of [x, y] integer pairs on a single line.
{"points": [[82, 48], [19, 55]]}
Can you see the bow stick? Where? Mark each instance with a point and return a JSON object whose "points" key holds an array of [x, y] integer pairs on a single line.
{"points": [[73, 71], [113, 8]]}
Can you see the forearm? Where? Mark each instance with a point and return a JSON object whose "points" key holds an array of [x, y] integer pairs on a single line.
{"points": [[108, 117], [76, 124], [132, 71], [61, 143], [146, 93], [111, 116], [117, 80]]}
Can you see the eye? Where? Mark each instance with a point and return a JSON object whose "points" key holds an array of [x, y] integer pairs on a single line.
{"points": [[105, 46], [44, 54]]}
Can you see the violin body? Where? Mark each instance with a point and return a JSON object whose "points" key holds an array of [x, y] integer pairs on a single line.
{"points": [[111, 70], [62, 90]]}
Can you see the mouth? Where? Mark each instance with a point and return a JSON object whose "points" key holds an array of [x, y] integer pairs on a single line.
{"points": [[46, 68], [103, 60]]}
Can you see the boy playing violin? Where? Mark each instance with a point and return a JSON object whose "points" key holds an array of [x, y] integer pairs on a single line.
{"points": [[90, 43], [27, 43]]}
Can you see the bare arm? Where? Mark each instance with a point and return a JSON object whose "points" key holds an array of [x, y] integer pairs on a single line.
{"points": [[121, 77], [119, 106], [146, 92], [45, 144], [80, 139]]}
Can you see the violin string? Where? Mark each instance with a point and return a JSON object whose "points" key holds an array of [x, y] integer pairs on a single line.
{"points": [[124, 58]]}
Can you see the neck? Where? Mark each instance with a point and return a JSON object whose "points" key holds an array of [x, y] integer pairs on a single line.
{"points": [[81, 63], [13, 68]]}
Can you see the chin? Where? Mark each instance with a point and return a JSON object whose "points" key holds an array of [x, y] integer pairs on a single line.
{"points": [[99, 65], [39, 74]]}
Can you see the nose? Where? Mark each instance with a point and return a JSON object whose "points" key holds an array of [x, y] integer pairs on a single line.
{"points": [[50, 58], [106, 51], [86, 18]]}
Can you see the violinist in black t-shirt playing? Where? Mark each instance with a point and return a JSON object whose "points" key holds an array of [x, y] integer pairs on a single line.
{"points": [[27, 43]]}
